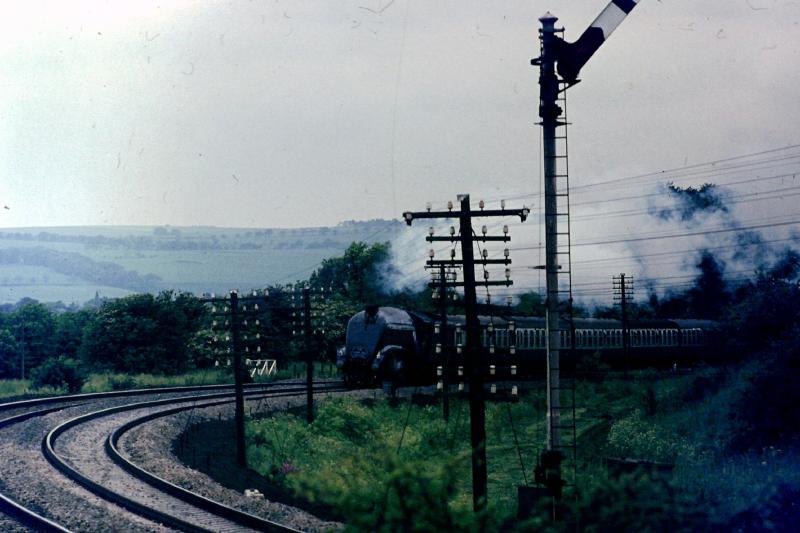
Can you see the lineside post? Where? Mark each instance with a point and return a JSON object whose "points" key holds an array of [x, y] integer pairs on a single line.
{"points": [[307, 332], [238, 380]]}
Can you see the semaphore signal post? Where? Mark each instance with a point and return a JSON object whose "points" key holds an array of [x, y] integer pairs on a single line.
{"points": [[467, 237]]}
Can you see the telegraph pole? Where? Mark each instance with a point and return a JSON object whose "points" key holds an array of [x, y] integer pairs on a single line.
{"points": [[307, 332], [238, 380], [623, 294], [476, 399], [474, 355], [233, 316], [445, 343]]}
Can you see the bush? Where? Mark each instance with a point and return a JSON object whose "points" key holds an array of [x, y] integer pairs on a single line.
{"points": [[59, 372], [766, 414], [630, 503], [635, 437]]}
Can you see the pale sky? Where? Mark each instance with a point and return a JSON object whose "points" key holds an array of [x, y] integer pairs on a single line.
{"points": [[288, 113]]}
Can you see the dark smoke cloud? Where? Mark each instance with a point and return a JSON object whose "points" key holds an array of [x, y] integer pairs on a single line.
{"points": [[786, 267], [691, 203]]}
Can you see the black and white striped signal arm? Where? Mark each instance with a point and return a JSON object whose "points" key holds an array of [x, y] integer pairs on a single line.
{"points": [[572, 56]]}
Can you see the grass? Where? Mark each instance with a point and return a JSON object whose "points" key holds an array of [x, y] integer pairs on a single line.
{"points": [[364, 460], [12, 388], [111, 381], [297, 370], [103, 382]]}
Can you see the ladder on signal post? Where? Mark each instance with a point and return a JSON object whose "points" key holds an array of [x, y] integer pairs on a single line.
{"points": [[563, 411]]}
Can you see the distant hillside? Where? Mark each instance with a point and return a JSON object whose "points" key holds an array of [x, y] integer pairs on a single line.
{"points": [[71, 264]]}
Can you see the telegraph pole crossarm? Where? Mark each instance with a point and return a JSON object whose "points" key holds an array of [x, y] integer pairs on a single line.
{"points": [[473, 348]]}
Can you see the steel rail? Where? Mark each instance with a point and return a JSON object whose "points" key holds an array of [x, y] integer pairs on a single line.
{"points": [[33, 402], [48, 449]]}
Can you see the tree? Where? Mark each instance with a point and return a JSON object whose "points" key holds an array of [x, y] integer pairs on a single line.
{"points": [[357, 274], [9, 355], [143, 333], [531, 303], [69, 331], [34, 327]]}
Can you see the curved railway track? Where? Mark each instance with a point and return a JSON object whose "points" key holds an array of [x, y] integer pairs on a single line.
{"points": [[85, 448]]}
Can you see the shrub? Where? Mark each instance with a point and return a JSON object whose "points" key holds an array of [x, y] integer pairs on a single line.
{"points": [[637, 438], [59, 372], [629, 503]]}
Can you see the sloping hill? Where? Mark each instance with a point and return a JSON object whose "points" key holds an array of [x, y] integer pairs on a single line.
{"points": [[72, 264]]}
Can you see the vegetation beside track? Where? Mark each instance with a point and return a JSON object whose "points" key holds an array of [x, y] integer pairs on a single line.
{"points": [[384, 474]]}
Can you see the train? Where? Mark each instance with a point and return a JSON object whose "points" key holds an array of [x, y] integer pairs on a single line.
{"points": [[390, 344]]}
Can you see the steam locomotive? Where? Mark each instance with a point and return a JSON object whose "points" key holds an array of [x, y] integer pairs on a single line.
{"points": [[401, 346]]}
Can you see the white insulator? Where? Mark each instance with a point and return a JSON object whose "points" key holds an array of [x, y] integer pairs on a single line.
{"points": [[493, 388], [492, 370], [438, 370], [513, 390], [460, 370], [513, 370]]}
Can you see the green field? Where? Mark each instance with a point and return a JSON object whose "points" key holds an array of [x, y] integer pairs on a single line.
{"points": [[72, 264]]}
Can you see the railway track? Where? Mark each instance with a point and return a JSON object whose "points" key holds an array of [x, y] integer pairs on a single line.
{"points": [[101, 482]]}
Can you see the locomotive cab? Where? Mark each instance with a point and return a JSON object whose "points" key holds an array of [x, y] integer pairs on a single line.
{"points": [[380, 342]]}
